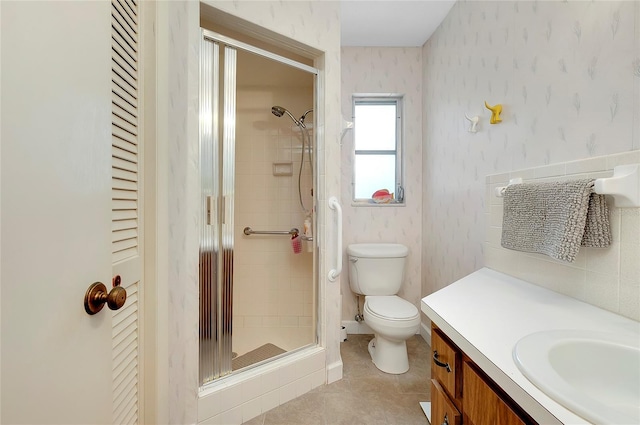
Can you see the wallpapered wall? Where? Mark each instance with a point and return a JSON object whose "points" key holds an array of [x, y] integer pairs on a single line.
{"points": [[568, 76], [385, 70], [178, 40]]}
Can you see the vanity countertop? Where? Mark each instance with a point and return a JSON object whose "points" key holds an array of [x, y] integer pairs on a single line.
{"points": [[487, 312]]}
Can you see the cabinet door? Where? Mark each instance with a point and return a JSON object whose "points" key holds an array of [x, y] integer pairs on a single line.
{"points": [[445, 366], [443, 412], [507, 416], [481, 405]]}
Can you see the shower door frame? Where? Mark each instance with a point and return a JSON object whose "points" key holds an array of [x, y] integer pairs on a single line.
{"points": [[217, 167]]}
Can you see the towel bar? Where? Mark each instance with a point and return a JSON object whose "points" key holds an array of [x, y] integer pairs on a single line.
{"points": [[623, 186], [500, 190]]}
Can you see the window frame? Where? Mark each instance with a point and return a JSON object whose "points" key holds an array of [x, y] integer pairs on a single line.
{"points": [[380, 99]]}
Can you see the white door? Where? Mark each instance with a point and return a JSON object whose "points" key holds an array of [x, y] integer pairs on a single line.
{"points": [[58, 225]]}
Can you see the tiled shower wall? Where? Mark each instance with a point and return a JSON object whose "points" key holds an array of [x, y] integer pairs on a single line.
{"points": [[273, 286], [605, 277]]}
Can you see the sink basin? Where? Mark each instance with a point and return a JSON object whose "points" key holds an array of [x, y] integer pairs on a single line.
{"points": [[595, 375]]}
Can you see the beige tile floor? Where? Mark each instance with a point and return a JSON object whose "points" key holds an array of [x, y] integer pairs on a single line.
{"points": [[365, 396]]}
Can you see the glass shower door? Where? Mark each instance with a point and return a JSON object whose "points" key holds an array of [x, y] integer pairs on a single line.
{"points": [[217, 157], [257, 293]]}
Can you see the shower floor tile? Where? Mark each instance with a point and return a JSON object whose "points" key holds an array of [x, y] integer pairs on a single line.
{"points": [[261, 353]]}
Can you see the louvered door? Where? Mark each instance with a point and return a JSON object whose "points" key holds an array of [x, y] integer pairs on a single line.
{"points": [[126, 207]]}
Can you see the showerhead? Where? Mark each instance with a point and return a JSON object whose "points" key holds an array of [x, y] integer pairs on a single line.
{"points": [[279, 111]]}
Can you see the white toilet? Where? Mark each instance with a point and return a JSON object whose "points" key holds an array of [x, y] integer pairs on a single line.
{"points": [[376, 270]]}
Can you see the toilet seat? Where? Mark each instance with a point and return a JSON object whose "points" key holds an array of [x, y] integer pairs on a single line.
{"points": [[393, 320], [390, 307]]}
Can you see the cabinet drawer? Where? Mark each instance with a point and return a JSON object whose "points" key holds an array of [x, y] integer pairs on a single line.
{"points": [[445, 364], [481, 405], [443, 412]]}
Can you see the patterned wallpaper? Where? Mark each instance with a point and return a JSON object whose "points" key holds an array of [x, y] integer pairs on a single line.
{"points": [[385, 70], [568, 77], [178, 78]]}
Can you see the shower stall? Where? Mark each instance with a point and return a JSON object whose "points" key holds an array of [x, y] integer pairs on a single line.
{"points": [[257, 250]]}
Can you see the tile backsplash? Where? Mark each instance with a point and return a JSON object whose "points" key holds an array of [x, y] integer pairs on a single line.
{"points": [[608, 278]]}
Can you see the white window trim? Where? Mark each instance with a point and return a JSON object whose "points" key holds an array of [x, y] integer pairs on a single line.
{"points": [[399, 99]]}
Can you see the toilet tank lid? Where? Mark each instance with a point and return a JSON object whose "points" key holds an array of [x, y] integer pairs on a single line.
{"points": [[377, 250]]}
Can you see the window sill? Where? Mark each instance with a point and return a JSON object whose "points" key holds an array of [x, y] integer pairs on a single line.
{"points": [[373, 204]]}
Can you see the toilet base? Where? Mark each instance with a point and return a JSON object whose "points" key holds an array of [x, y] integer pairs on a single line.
{"points": [[389, 356]]}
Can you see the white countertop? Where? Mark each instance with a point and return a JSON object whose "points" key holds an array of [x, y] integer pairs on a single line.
{"points": [[487, 312]]}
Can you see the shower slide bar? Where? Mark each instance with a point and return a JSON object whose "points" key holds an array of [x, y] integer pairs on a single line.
{"points": [[249, 231]]}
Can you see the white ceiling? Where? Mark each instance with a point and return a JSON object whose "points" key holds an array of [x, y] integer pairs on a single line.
{"points": [[385, 23]]}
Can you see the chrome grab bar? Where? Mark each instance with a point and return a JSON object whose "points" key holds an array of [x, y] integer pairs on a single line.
{"points": [[248, 231]]}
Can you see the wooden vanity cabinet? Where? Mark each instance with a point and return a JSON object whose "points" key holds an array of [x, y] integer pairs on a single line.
{"points": [[446, 382], [481, 404], [442, 409], [461, 394], [446, 366]]}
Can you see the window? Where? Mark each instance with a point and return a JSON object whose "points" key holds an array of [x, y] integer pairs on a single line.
{"points": [[377, 149]]}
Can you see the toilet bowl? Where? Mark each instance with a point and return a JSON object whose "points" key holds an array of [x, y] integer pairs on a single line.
{"points": [[393, 321], [376, 270]]}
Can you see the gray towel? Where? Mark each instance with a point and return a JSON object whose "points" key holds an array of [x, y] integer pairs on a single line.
{"points": [[555, 218]]}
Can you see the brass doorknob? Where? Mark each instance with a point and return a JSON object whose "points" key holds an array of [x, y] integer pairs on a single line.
{"points": [[96, 296]]}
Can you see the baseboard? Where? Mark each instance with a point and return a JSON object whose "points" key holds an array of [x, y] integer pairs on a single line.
{"points": [[425, 332], [361, 328], [334, 372], [357, 328]]}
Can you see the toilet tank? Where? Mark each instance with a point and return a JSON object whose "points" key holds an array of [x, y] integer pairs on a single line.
{"points": [[376, 268]]}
